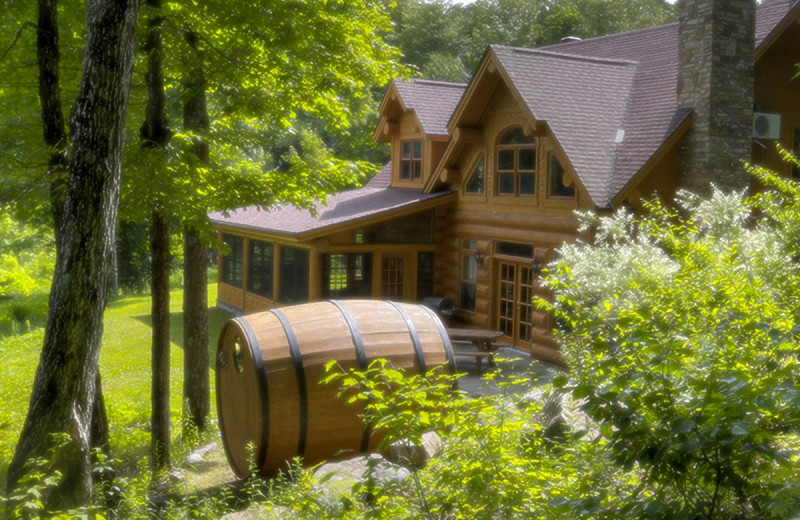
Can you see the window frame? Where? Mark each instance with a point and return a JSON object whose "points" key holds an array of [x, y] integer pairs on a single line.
{"points": [[553, 156], [468, 247], [263, 273], [355, 284], [532, 145], [415, 163], [235, 245], [480, 159], [300, 294]]}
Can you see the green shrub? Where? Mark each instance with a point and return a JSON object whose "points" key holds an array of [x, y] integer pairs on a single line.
{"points": [[27, 259], [681, 331]]}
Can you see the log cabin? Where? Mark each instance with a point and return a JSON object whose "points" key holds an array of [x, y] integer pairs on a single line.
{"points": [[484, 178]]}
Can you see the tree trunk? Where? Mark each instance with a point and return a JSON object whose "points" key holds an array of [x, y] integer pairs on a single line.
{"points": [[195, 274], [155, 133], [197, 401], [55, 132], [55, 139], [159, 245], [63, 392]]}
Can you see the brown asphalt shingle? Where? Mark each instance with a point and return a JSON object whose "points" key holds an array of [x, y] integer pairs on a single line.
{"points": [[433, 102], [352, 205], [611, 101]]}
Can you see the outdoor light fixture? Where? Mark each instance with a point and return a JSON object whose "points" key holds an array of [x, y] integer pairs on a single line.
{"points": [[536, 267], [479, 258]]}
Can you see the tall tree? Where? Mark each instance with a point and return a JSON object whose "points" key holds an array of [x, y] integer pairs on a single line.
{"points": [[250, 74], [62, 399], [155, 134], [196, 392], [48, 55]]}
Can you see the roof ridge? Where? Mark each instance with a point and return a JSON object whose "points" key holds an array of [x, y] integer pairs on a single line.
{"points": [[436, 82], [607, 36], [580, 57]]}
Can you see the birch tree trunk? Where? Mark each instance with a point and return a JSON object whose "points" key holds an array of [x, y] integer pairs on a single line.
{"points": [[196, 393], [62, 399]]}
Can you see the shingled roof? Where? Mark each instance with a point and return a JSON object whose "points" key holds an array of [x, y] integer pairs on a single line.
{"points": [[611, 102], [347, 207], [432, 101]]}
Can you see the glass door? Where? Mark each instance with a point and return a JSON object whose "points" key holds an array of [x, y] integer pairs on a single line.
{"points": [[515, 308]]}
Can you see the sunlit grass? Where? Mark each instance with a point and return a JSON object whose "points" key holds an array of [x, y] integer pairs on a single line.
{"points": [[125, 369]]}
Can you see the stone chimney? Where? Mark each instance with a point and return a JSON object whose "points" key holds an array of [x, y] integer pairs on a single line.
{"points": [[715, 79]]}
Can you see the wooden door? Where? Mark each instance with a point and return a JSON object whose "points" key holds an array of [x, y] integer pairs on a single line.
{"points": [[515, 308], [392, 277]]}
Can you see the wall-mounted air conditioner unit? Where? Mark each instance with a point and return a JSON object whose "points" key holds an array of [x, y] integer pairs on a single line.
{"points": [[766, 126]]}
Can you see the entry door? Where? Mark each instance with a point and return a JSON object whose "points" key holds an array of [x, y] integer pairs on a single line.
{"points": [[515, 309]]}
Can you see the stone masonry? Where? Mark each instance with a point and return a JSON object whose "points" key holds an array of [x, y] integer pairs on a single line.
{"points": [[715, 79]]}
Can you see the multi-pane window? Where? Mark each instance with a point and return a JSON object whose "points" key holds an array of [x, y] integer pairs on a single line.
{"points": [[475, 181], [294, 275], [424, 275], [347, 274], [392, 277], [469, 274], [516, 164], [557, 177], [262, 267], [233, 261], [410, 160]]}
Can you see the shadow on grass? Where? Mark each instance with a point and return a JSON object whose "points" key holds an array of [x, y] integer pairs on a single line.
{"points": [[216, 319]]}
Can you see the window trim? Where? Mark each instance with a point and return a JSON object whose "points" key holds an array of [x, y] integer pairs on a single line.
{"points": [[224, 278], [270, 293], [467, 252], [282, 287], [480, 157], [413, 160], [517, 173]]}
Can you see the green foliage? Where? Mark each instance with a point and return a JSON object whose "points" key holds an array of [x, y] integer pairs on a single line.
{"points": [[27, 259], [126, 372], [496, 458], [681, 329], [445, 41]]}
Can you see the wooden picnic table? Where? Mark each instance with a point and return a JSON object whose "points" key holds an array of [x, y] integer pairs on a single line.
{"points": [[481, 338]]}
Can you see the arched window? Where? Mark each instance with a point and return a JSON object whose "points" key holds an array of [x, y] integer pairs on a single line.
{"points": [[516, 164]]}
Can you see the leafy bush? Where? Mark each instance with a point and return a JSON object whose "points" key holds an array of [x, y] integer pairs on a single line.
{"points": [[681, 331], [27, 259]]}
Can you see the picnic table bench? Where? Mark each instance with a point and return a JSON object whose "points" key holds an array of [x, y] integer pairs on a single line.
{"points": [[479, 343]]}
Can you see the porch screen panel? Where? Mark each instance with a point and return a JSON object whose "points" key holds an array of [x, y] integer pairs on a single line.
{"points": [[424, 275], [262, 264], [294, 275], [233, 261]]}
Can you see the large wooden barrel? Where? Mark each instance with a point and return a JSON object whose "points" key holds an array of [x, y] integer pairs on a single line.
{"points": [[269, 366]]}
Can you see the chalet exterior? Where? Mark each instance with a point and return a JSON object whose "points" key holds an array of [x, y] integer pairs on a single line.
{"points": [[485, 177]]}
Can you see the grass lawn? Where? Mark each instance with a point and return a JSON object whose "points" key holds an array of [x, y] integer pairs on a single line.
{"points": [[125, 368]]}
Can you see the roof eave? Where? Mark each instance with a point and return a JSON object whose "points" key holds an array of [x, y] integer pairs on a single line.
{"points": [[775, 33], [668, 143]]}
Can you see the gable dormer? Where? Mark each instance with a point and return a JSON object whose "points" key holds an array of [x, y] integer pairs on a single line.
{"points": [[414, 118]]}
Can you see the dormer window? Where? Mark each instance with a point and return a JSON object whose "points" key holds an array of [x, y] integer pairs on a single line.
{"points": [[559, 184], [475, 181], [516, 164], [410, 160]]}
